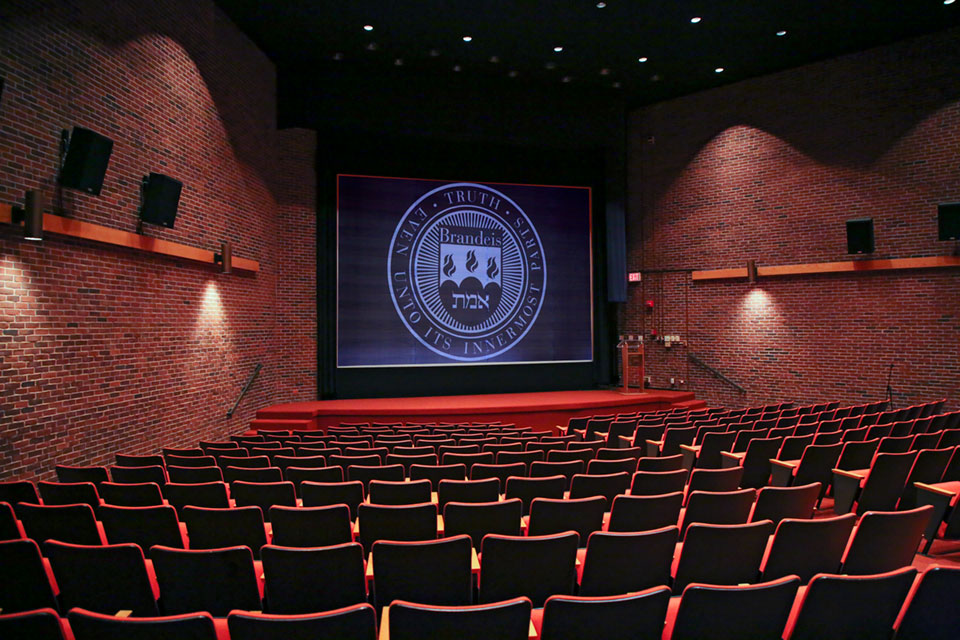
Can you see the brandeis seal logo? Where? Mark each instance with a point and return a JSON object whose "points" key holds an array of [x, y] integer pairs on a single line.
{"points": [[467, 271]]}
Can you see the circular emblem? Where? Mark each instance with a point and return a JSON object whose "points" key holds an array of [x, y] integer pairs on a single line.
{"points": [[467, 271]]}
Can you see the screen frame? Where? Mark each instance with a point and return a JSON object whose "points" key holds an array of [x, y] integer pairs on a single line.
{"points": [[448, 160]]}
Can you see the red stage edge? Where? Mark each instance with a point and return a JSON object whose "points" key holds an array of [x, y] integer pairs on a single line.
{"points": [[542, 411]]}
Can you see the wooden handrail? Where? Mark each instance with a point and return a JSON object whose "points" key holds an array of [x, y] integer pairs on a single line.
{"points": [[246, 387], [716, 374]]}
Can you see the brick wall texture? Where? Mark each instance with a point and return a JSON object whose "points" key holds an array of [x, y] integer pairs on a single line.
{"points": [[105, 349], [770, 169]]}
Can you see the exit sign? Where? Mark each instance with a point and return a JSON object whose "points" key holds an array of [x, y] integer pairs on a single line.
{"points": [[634, 276]]}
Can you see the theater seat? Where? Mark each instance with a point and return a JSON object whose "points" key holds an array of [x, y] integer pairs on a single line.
{"points": [[357, 622], [504, 620], [36, 624], [634, 616], [87, 625], [732, 612], [841, 606]]}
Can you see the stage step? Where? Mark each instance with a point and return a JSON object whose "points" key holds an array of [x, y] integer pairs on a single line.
{"points": [[281, 423], [690, 404]]}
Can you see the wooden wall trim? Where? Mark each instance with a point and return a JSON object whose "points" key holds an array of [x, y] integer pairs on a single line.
{"points": [[848, 266], [116, 237]]}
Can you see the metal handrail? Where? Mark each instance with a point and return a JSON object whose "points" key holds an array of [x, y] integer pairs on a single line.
{"points": [[716, 374], [246, 387]]}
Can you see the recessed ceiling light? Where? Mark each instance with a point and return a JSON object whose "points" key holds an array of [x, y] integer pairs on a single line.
{"points": [[512, 74], [616, 85], [372, 46], [456, 67], [557, 49], [949, 1], [718, 70], [601, 5], [398, 62], [643, 59], [368, 27], [567, 78], [494, 59], [655, 78], [434, 53], [338, 56], [551, 65], [695, 20], [604, 72], [467, 38], [781, 33]]}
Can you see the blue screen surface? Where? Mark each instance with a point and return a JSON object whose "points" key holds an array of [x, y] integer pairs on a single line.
{"points": [[451, 273]]}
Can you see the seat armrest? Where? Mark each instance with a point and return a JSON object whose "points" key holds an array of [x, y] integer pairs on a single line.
{"points": [[934, 489], [786, 464], [849, 474]]}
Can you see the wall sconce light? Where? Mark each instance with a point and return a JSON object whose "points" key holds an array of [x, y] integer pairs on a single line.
{"points": [[224, 258], [31, 216], [751, 271]]}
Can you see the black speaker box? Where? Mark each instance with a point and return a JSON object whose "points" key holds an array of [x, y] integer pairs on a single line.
{"points": [[86, 164], [161, 195], [860, 236], [948, 221]]}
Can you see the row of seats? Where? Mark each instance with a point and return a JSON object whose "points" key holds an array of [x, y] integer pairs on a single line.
{"points": [[482, 489], [729, 521], [538, 565], [898, 604]]}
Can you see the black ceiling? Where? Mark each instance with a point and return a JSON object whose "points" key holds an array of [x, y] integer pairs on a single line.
{"points": [[515, 41]]}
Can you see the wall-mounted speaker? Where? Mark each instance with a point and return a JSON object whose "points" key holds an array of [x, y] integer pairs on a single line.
{"points": [[860, 236], [161, 196], [88, 154], [948, 221]]}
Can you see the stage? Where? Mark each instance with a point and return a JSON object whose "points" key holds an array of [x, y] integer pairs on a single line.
{"points": [[543, 410]]}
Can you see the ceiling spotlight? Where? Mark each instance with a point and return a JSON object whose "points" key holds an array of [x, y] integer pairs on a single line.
{"points": [[467, 38], [695, 20], [655, 78], [718, 70], [398, 62], [642, 59], [551, 65], [456, 67], [616, 85], [601, 5], [604, 72], [494, 59], [372, 46], [949, 1], [567, 78], [557, 49], [781, 33], [338, 56], [513, 73], [434, 53], [368, 27]]}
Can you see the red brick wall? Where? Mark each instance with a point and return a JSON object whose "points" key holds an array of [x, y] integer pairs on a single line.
{"points": [[296, 333], [770, 169], [104, 349]]}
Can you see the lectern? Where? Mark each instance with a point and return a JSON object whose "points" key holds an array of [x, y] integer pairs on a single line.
{"points": [[631, 359]]}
